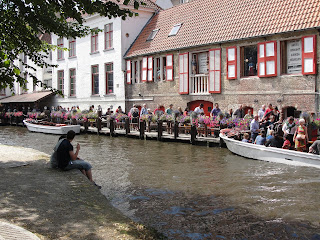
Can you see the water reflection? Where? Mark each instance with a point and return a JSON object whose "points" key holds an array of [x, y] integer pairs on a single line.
{"points": [[179, 187]]}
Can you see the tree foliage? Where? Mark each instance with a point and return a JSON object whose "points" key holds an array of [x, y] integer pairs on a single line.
{"points": [[24, 21]]}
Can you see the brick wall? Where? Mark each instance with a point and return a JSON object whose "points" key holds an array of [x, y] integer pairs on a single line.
{"points": [[284, 90]]}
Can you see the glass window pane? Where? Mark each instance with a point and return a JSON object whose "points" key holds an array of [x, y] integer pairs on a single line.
{"points": [[271, 68], [270, 49], [261, 50], [231, 54], [308, 65], [308, 44], [231, 71]]}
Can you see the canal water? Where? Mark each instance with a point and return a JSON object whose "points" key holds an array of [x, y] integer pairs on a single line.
{"points": [[195, 192]]}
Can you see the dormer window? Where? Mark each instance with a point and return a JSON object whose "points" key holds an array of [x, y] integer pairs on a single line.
{"points": [[152, 34], [175, 29]]}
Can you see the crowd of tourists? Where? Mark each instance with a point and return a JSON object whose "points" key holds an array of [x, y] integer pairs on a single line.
{"points": [[270, 129]]}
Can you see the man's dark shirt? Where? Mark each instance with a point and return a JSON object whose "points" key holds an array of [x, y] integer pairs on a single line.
{"points": [[63, 154], [274, 142]]}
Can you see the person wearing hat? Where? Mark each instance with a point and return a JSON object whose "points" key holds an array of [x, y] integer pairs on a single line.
{"points": [[289, 128]]}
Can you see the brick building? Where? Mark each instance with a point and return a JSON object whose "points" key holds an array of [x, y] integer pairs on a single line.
{"points": [[232, 52]]}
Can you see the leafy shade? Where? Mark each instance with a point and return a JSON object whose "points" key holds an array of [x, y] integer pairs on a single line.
{"points": [[23, 22]]}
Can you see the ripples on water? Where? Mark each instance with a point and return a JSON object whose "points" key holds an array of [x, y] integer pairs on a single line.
{"points": [[136, 174]]}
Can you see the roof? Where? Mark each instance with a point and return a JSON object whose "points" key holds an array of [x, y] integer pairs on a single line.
{"points": [[216, 21], [27, 97]]}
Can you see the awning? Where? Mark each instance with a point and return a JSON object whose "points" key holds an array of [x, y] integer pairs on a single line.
{"points": [[27, 97]]}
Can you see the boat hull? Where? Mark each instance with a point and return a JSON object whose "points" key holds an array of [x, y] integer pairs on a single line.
{"points": [[59, 130], [271, 154]]}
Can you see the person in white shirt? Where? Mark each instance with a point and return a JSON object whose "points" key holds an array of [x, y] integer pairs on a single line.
{"points": [[261, 112], [289, 128], [254, 128], [199, 110]]}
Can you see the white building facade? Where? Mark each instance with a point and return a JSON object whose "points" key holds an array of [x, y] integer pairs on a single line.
{"points": [[92, 71]]}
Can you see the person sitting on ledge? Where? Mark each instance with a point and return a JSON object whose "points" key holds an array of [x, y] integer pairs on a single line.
{"points": [[68, 160]]}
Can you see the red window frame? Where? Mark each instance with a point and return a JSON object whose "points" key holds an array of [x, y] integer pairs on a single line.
{"points": [[183, 73], [107, 80], [72, 47], [72, 85], [92, 78], [61, 80], [309, 55], [94, 42], [266, 59], [232, 63], [108, 36], [168, 67], [60, 44]]}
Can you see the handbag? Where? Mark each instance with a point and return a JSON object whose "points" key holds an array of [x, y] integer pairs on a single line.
{"points": [[301, 137]]}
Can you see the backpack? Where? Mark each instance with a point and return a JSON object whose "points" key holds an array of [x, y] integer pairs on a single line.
{"points": [[54, 155], [135, 114]]}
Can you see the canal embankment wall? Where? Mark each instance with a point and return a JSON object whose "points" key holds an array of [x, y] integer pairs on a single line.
{"points": [[55, 204]]}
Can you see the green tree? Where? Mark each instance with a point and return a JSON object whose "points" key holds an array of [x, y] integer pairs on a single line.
{"points": [[24, 21]]}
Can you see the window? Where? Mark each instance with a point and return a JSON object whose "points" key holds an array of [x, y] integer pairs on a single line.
{"points": [[60, 48], [232, 63], [199, 63], [128, 73], [48, 82], [183, 73], [150, 69], [175, 29], [94, 42], [166, 68], [215, 71], [158, 69], [152, 34], [72, 76], [95, 80], [136, 72], [61, 81], [248, 61], [267, 59], [109, 78], [144, 69], [291, 56], [298, 56], [2, 92], [72, 47], [108, 36]]}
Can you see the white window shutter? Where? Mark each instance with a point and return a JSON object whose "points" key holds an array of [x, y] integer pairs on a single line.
{"points": [[232, 63], [144, 69], [215, 71], [150, 69], [128, 72], [309, 55], [183, 73], [169, 67]]}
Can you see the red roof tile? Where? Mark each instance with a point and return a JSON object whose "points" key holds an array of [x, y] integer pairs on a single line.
{"points": [[214, 21]]}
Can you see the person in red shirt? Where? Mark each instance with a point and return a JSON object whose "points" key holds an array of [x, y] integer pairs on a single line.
{"points": [[268, 112]]}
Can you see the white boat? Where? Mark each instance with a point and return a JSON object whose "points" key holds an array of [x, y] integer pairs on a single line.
{"points": [[56, 129], [271, 154]]}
